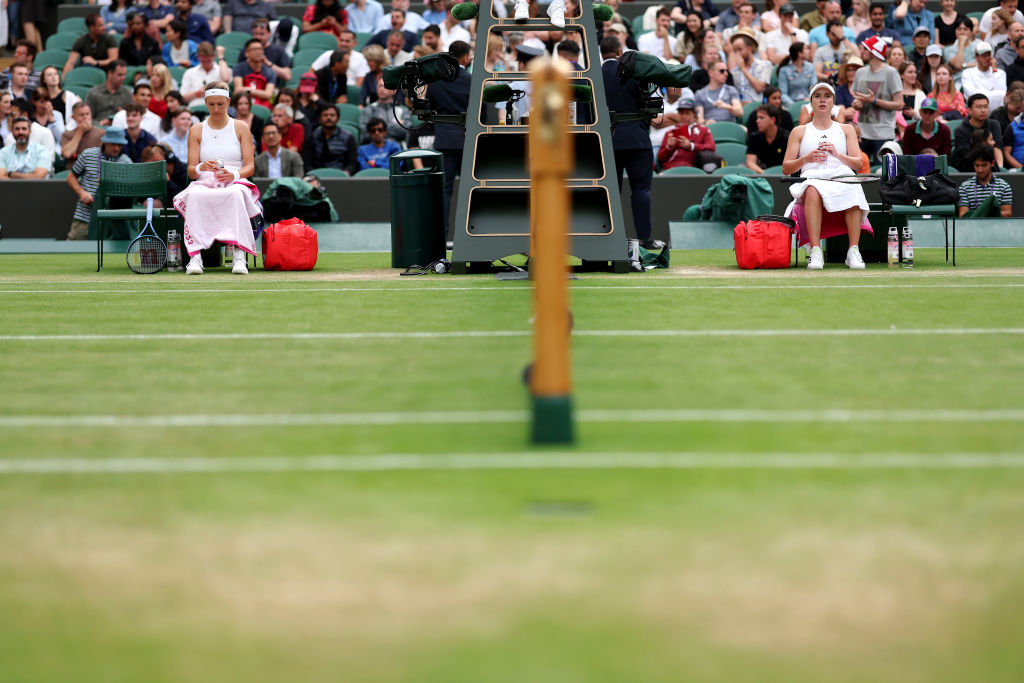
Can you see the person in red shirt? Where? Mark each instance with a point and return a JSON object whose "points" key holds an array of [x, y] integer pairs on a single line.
{"points": [[292, 134], [688, 144]]}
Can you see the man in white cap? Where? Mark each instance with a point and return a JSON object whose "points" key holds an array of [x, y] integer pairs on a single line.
{"points": [[874, 91], [985, 78]]}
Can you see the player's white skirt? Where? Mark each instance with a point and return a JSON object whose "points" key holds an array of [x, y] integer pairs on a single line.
{"points": [[835, 196]]}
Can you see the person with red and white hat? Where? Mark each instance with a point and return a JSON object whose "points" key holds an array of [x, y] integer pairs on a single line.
{"points": [[876, 92]]}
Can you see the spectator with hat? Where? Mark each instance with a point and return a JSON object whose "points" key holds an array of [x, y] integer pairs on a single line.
{"points": [[689, 143], [929, 132], [751, 74], [84, 178], [932, 61], [985, 78], [921, 40], [876, 95], [777, 43], [907, 16], [878, 29], [747, 25]]}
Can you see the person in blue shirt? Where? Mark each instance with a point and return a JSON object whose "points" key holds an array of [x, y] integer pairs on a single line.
{"points": [[907, 15], [878, 28], [819, 34], [375, 153], [115, 15], [197, 28], [796, 74]]}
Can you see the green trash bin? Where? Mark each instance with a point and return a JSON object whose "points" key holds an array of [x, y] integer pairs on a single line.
{"points": [[417, 208]]}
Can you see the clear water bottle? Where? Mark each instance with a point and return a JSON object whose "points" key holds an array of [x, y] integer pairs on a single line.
{"points": [[173, 251], [893, 249], [908, 247], [229, 252]]}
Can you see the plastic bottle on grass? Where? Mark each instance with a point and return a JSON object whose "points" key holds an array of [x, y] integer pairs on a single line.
{"points": [[173, 251], [893, 248], [908, 247]]}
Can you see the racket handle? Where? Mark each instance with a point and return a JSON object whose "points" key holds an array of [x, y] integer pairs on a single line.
{"points": [[149, 210]]}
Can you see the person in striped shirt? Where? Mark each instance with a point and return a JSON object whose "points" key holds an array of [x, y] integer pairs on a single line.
{"points": [[985, 195], [84, 178]]}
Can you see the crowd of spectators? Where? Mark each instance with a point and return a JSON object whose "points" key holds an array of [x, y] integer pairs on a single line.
{"points": [[911, 79]]}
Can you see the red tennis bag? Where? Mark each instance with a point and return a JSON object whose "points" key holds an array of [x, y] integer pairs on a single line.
{"points": [[289, 245], [763, 242]]}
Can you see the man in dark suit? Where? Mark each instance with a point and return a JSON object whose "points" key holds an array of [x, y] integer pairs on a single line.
{"points": [[276, 161], [450, 138], [631, 141]]}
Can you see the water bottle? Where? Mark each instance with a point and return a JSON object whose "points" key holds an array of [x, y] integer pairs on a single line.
{"points": [[229, 253], [893, 249], [908, 247], [173, 251]]}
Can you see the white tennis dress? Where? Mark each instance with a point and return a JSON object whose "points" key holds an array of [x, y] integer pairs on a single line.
{"points": [[214, 212], [835, 196]]}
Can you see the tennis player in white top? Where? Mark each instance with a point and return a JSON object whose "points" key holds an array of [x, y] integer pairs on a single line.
{"points": [[821, 151]]}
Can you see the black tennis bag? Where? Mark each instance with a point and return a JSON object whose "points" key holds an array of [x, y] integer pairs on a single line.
{"points": [[927, 190]]}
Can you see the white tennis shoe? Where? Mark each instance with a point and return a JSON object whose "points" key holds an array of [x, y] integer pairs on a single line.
{"points": [[853, 259], [238, 263], [817, 261], [195, 266], [556, 11], [522, 10]]}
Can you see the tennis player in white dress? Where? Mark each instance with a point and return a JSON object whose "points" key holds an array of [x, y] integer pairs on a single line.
{"points": [[821, 150], [218, 205]]}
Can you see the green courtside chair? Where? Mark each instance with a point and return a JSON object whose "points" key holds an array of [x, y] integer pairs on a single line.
{"points": [[727, 131], [135, 182], [901, 213], [683, 170], [734, 153], [734, 170]]}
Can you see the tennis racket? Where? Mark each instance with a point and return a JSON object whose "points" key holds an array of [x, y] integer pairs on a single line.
{"points": [[845, 179], [147, 253]]}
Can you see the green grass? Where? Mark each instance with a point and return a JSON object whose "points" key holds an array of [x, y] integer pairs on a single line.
{"points": [[803, 574]]}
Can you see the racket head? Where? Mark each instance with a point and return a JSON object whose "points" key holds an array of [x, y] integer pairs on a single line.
{"points": [[147, 254], [859, 179]]}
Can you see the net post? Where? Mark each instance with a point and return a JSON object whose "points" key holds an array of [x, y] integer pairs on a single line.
{"points": [[550, 161]]}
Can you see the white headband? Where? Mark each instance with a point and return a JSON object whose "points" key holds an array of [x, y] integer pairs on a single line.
{"points": [[822, 85], [213, 92]]}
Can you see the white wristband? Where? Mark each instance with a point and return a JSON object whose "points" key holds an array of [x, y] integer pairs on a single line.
{"points": [[236, 174]]}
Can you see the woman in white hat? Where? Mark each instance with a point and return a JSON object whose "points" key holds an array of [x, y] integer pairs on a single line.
{"points": [[218, 205], [818, 151]]}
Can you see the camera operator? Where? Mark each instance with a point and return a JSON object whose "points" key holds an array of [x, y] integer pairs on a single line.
{"points": [[449, 138], [632, 144]]}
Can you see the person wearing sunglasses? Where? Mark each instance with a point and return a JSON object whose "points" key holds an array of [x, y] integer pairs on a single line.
{"points": [[375, 153], [718, 101]]}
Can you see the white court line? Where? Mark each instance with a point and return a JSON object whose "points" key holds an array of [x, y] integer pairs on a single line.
{"points": [[458, 334], [515, 287], [514, 461], [937, 415]]}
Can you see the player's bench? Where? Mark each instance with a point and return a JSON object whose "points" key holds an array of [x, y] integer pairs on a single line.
{"points": [[970, 232]]}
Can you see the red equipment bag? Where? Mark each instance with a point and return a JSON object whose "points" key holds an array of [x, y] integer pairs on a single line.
{"points": [[763, 242], [289, 245]]}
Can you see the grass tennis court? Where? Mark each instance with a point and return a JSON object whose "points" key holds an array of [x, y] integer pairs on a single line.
{"points": [[779, 476]]}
